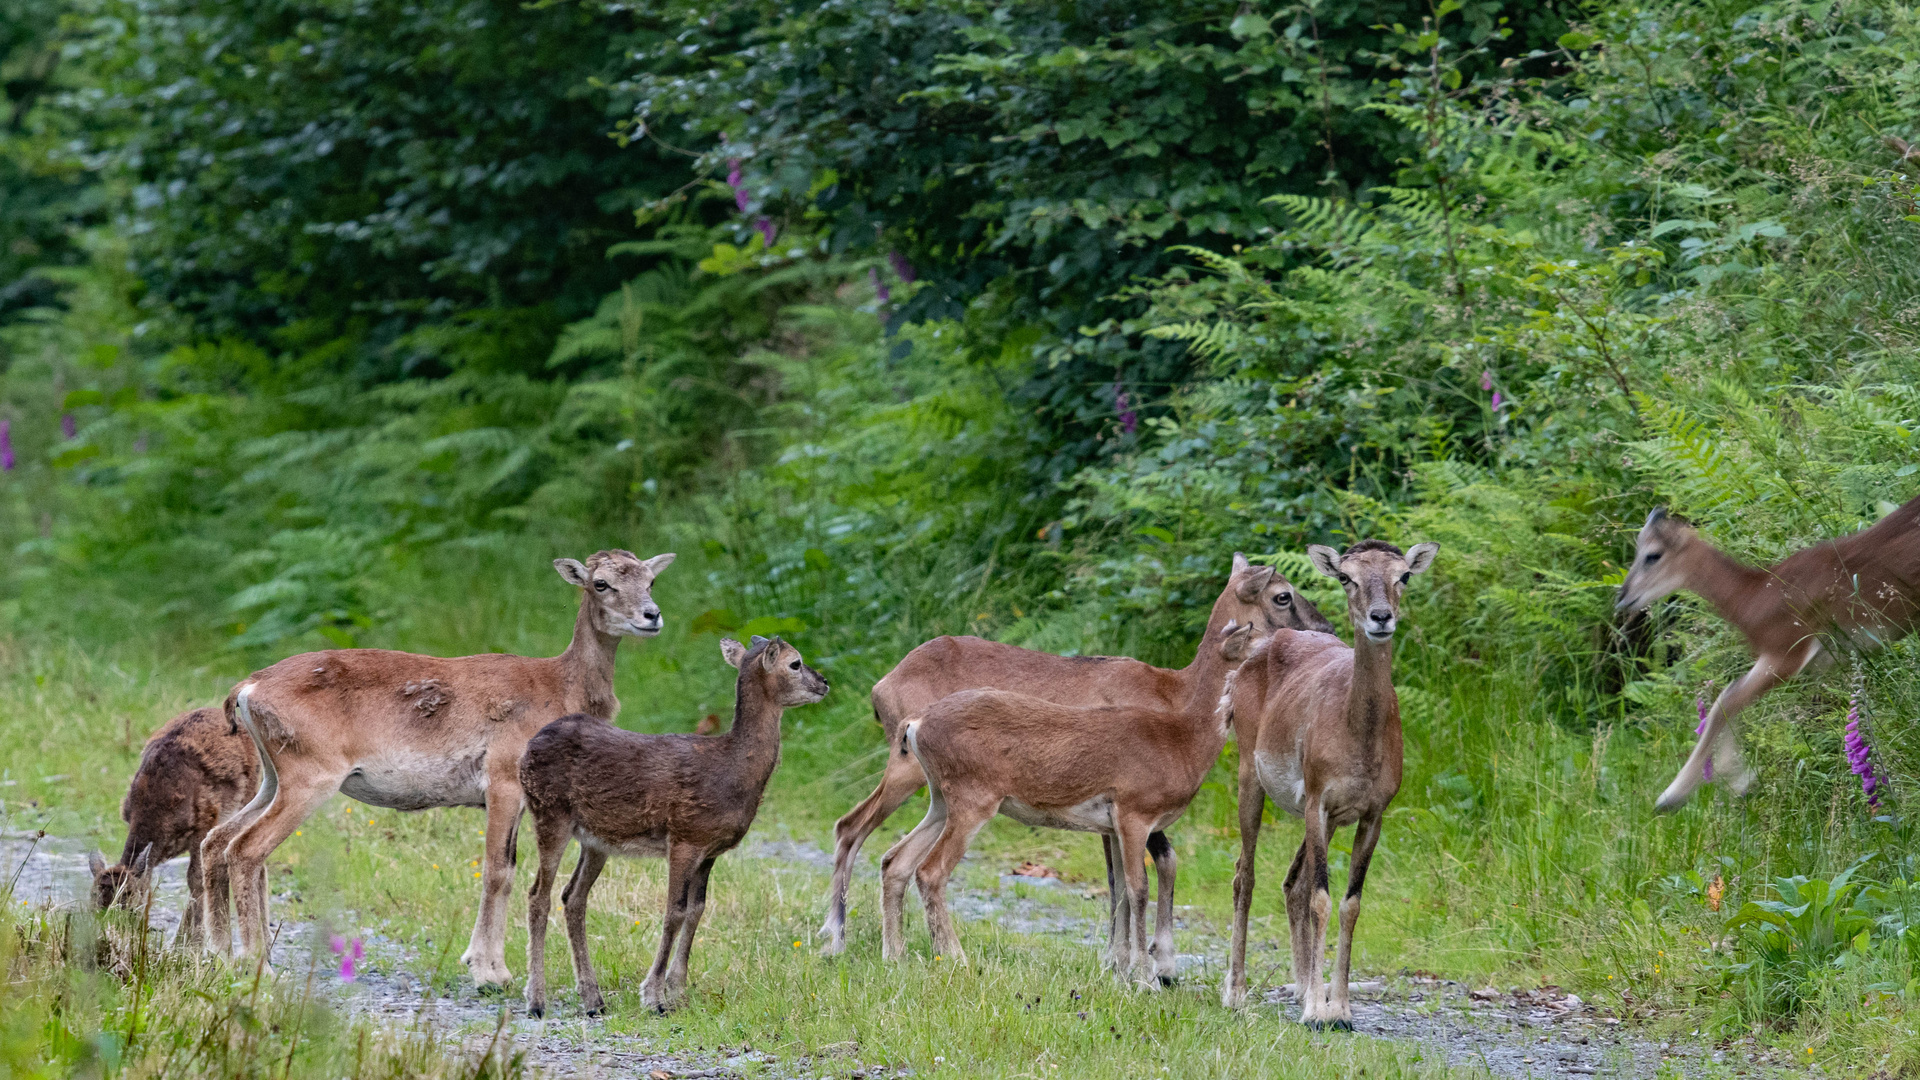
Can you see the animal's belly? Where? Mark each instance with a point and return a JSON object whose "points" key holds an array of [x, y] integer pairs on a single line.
{"points": [[413, 781], [1283, 779], [1095, 815], [646, 846]]}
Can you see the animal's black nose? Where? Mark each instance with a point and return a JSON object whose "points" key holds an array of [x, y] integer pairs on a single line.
{"points": [[652, 614], [1380, 616]]}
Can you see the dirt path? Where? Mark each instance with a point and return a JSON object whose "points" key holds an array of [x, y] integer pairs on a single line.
{"points": [[1518, 1034]]}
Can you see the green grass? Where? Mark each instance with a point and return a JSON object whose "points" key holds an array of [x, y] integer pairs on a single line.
{"points": [[1517, 853]]}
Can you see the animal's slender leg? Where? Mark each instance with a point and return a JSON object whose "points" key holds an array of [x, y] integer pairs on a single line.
{"points": [[696, 906], [1253, 804], [1308, 907], [188, 936], [574, 899], [486, 955], [897, 868], [247, 855], [1166, 966], [963, 821], [901, 779], [682, 859], [1133, 863], [551, 837], [1766, 673], [1117, 912], [1340, 1007]]}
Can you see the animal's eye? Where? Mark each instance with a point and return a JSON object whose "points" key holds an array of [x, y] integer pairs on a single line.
{"points": [[1283, 599], [1345, 580], [795, 665], [1652, 557], [1406, 577], [600, 585]]}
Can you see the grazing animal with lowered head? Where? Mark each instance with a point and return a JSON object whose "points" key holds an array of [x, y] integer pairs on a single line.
{"points": [[194, 772], [1318, 725], [411, 732], [1256, 596], [686, 798], [1861, 590]]}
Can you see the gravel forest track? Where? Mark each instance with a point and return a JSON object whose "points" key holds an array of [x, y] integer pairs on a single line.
{"points": [[1515, 1033]]}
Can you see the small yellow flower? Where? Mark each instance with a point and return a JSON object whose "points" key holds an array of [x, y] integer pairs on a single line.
{"points": [[796, 944], [476, 873], [936, 956], [297, 832], [436, 866]]}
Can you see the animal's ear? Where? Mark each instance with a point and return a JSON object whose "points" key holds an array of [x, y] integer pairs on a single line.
{"points": [[1239, 564], [573, 571], [1237, 643], [1254, 584], [1658, 513], [140, 864], [732, 652], [96, 863], [758, 641], [659, 563], [770, 656], [1325, 559], [1420, 557]]}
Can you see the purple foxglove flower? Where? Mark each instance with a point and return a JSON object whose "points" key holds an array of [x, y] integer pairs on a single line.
{"points": [[733, 181], [6, 446], [1860, 754], [880, 290], [1129, 420], [1497, 402], [350, 954], [66, 425], [1486, 380], [767, 231], [901, 267]]}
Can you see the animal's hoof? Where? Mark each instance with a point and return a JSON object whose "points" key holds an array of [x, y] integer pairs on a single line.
{"points": [[595, 1010], [490, 989], [536, 1011], [1328, 1025]]}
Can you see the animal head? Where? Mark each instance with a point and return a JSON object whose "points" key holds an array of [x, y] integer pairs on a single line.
{"points": [[619, 589], [120, 884], [1656, 568], [1261, 596], [779, 666], [1373, 573]]}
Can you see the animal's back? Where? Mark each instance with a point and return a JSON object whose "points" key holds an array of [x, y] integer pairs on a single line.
{"points": [[606, 778], [949, 665], [194, 771], [1042, 750], [405, 693]]}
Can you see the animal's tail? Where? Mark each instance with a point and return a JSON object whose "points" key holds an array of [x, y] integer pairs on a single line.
{"points": [[240, 716]]}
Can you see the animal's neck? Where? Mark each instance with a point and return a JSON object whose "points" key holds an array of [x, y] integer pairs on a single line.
{"points": [[1202, 680], [1730, 586], [1370, 700], [588, 662], [754, 739]]}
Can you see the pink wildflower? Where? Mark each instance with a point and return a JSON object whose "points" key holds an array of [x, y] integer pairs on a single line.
{"points": [[349, 952], [1486, 380], [1860, 754], [1129, 420], [6, 446], [1497, 402], [901, 267], [733, 181], [66, 425], [767, 231], [880, 290]]}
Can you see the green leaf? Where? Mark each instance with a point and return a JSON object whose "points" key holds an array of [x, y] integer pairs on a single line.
{"points": [[768, 625], [714, 621], [77, 398], [1574, 40], [1249, 25]]}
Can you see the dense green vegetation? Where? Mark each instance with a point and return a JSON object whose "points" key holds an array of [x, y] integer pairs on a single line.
{"points": [[332, 324]]}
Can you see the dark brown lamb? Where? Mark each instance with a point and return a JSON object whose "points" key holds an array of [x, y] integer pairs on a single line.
{"points": [[194, 773], [686, 798]]}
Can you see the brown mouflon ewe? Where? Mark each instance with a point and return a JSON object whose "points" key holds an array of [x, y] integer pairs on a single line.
{"points": [[1256, 596], [1122, 771], [1318, 725], [411, 732], [686, 798], [1861, 590], [195, 772]]}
